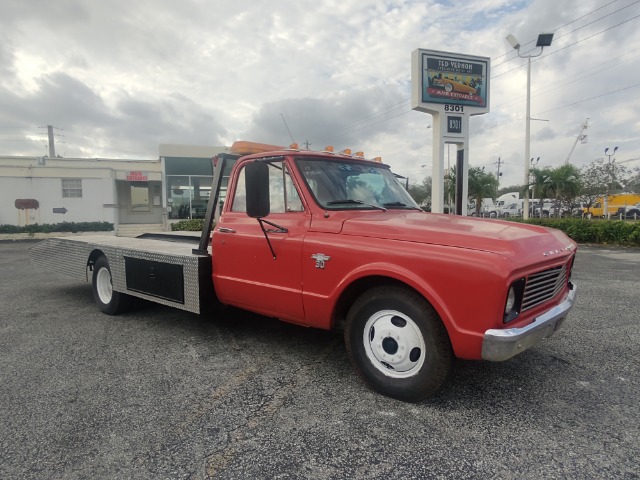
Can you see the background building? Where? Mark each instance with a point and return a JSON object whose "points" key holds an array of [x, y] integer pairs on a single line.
{"points": [[134, 195]]}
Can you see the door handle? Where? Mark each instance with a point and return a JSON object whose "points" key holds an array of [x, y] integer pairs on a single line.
{"points": [[226, 230]]}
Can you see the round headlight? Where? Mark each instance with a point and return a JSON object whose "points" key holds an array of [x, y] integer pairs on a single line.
{"points": [[511, 300]]}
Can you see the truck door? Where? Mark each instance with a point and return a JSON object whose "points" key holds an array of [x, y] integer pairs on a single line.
{"points": [[245, 273]]}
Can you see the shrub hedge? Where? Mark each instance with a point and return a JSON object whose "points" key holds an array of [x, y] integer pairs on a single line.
{"points": [[195, 225], [59, 227], [607, 232]]}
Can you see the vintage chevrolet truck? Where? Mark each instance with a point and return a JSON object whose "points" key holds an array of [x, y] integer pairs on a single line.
{"points": [[334, 241]]}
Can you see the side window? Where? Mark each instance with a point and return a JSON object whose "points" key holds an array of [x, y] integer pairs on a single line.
{"points": [[283, 194], [240, 198]]}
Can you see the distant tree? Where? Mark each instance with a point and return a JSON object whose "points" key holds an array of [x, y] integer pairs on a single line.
{"points": [[563, 184], [481, 185], [539, 186], [421, 192], [600, 178], [450, 187], [633, 181]]}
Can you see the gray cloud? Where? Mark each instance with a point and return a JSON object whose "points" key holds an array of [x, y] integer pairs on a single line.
{"points": [[121, 77]]}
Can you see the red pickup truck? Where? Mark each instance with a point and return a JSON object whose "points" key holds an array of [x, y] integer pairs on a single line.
{"points": [[335, 242]]}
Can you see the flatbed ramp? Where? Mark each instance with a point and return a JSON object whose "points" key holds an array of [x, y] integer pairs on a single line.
{"points": [[161, 268]]}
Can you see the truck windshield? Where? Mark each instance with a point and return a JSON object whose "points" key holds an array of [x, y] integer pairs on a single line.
{"points": [[344, 185]]}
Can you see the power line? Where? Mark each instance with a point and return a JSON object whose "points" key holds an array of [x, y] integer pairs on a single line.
{"points": [[349, 128]]}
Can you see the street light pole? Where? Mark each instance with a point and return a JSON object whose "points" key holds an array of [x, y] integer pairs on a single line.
{"points": [[544, 40], [609, 164], [527, 136], [533, 162]]}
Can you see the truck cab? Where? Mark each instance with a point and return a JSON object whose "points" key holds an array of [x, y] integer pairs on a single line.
{"points": [[335, 242]]}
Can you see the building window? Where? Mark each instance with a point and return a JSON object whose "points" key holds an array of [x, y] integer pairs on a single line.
{"points": [[71, 188], [188, 195]]}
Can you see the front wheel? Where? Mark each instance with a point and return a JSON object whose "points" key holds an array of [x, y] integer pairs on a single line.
{"points": [[398, 344], [108, 301]]}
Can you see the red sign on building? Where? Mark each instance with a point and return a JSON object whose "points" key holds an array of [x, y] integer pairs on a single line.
{"points": [[135, 176]]}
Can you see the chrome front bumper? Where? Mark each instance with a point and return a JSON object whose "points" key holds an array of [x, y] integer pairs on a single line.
{"points": [[501, 344]]}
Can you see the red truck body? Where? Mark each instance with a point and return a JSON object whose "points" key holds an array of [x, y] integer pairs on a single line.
{"points": [[462, 266]]}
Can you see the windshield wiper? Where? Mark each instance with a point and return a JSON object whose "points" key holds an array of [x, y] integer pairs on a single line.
{"points": [[401, 205], [351, 201]]}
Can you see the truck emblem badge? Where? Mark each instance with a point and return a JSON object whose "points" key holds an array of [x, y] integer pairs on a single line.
{"points": [[320, 259]]}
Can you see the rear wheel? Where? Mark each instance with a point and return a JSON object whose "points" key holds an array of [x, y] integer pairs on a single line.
{"points": [[108, 301], [398, 344]]}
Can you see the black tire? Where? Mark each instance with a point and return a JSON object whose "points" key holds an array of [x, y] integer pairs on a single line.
{"points": [[401, 326], [108, 301]]}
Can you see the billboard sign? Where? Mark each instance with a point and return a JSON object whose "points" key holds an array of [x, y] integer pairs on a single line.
{"points": [[451, 80]]}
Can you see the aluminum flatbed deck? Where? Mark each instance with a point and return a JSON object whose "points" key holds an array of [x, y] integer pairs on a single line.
{"points": [[158, 267]]}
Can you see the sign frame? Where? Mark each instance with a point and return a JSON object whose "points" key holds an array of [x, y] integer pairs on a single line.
{"points": [[449, 82]]}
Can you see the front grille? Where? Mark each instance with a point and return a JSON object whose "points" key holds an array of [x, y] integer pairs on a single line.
{"points": [[543, 286]]}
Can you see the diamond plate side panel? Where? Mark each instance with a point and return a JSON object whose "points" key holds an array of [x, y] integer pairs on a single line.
{"points": [[63, 256], [70, 256], [115, 256]]}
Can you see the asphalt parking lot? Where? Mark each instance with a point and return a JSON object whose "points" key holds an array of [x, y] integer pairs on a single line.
{"points": [[164, 394]]}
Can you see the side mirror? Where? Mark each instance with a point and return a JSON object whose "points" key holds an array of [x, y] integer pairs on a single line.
{"points": [[256, 176]]}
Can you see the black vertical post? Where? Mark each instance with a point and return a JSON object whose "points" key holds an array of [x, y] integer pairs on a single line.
{"points": [[218, 174], [459, 180]]}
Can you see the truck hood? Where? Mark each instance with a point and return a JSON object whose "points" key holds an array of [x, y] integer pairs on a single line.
{"points": [[522, 243]]}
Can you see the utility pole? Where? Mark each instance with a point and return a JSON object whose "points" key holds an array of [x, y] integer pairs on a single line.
{"points": [[52, 146], [499, 162], [51, 140]]}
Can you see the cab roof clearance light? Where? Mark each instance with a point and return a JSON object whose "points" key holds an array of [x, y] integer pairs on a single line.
{"points": [[247, 148], [243, 147]]}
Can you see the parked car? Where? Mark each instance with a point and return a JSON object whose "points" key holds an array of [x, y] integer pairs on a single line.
{"points": [[631, 211], [451, 85]]}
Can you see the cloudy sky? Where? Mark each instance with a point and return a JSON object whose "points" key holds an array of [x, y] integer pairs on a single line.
{"points": [[117, 78]]}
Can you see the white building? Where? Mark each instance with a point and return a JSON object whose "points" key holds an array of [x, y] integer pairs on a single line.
{"points": [[133, 195]]}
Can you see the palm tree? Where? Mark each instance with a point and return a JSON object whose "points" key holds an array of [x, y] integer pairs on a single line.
{"points": [[563, 184], [481, 185], [539, 184]]}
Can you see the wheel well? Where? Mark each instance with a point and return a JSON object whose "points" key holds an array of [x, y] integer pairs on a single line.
{"points": [[93, 256], [353, 291]]}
